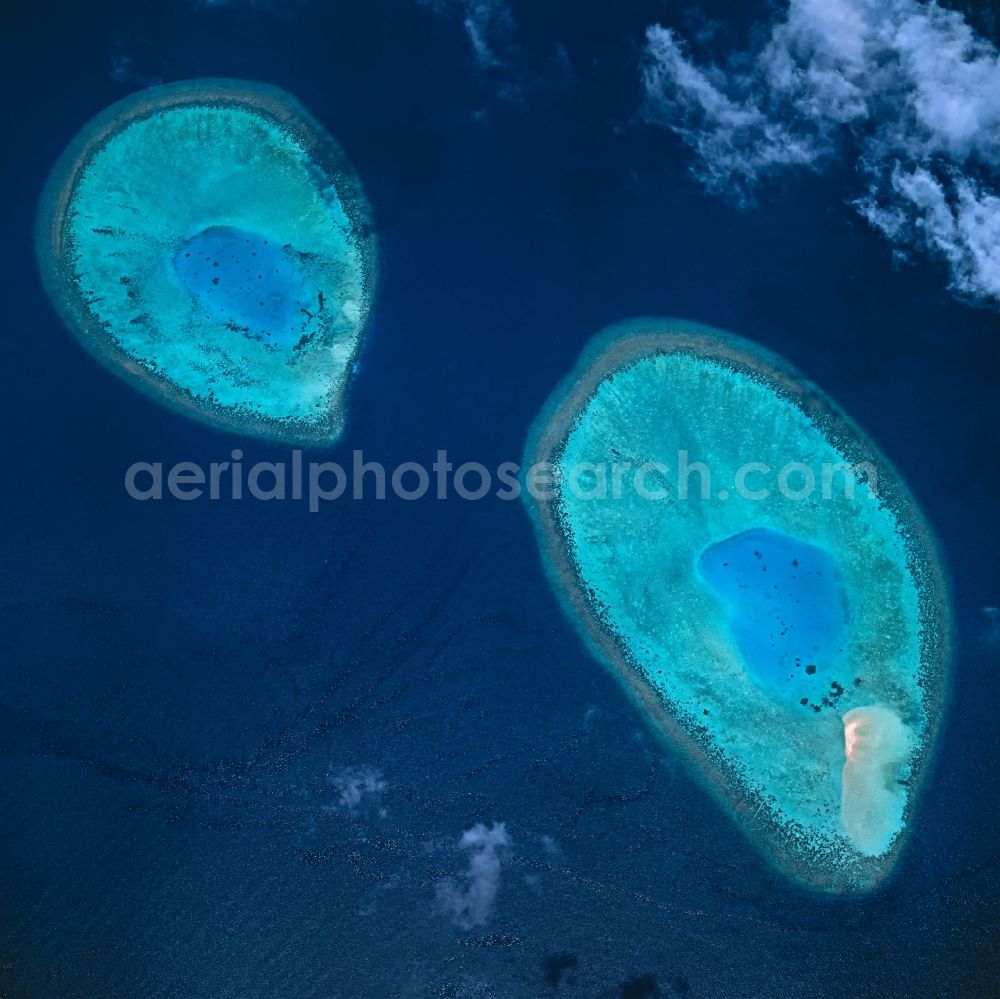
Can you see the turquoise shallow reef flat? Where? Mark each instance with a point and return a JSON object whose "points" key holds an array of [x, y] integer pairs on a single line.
{"points": [[760, 580], [208, 241]]}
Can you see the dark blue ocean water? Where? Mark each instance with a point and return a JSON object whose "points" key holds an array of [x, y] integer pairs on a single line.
{"points": [[190, 691]]}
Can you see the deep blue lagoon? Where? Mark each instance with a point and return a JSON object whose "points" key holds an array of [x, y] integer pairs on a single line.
{"points": [[785, 601], [243, 279]]}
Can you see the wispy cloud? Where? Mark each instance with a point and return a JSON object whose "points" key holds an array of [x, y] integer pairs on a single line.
{"points": [[489, 27], [906, 89], [470, 899], [124, 70], [991, 626], [358, 789]]}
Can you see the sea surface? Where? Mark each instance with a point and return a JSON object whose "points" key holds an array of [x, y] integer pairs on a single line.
{"points": [[240, 742]]}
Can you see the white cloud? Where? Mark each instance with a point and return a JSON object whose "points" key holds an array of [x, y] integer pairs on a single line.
{"points": [[905, 88], [489, 27], [469, 900], [122, 69], [735, 140], [991, 626], [358, 789], [125, 70]]}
